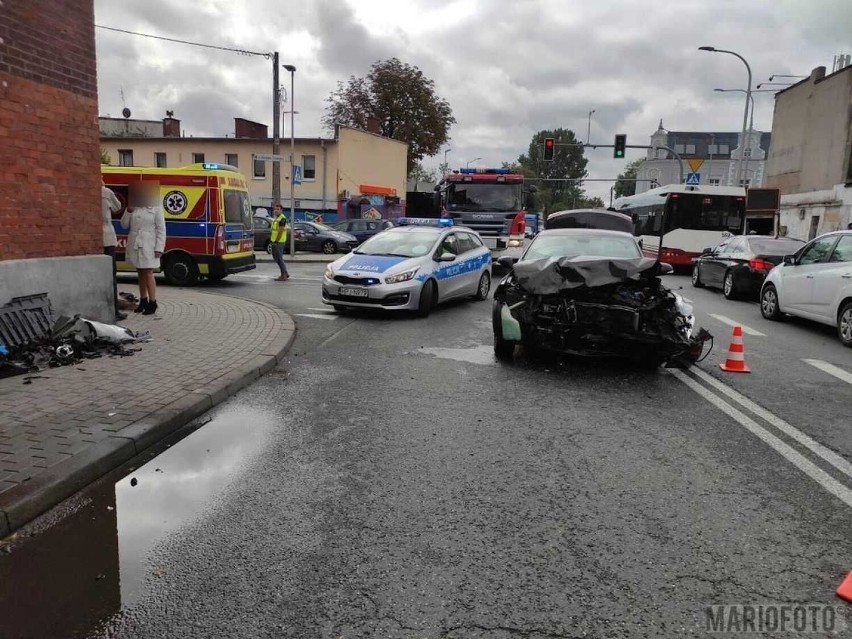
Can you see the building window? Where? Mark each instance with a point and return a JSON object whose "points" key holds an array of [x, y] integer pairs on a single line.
{"points": [[745, 183], [309, 167], [233, 159], [747, 153], [125, 157], [679, 148], [197, 158], [714, 181], [259, 169], [724, 149], [160, 160], [690, 149], [712, 149]]}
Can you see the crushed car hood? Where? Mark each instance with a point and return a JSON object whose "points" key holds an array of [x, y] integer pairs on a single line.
{"points": [[550, 276]]}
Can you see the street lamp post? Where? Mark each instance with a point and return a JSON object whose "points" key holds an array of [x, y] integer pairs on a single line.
{"points": [[589, 128], [745, 111], [276, 131], [467, 164], [292, 71], [446, 166]]}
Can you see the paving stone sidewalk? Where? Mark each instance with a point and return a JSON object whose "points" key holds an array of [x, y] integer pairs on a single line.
{"points": [[73, 424]]}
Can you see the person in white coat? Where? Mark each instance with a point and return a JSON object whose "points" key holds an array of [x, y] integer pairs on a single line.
{"points": [[146, 240]]}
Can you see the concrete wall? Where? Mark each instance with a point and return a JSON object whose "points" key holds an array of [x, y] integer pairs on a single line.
{"points": [[366, 158], [812, 134], [832, 209], [75, 285]]}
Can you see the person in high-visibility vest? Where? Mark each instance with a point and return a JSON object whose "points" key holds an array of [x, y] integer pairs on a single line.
{"points": [[278, 240]]}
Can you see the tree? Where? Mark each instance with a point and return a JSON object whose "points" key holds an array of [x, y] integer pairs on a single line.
{"points": [[625, 183], [559, 182], [420, 173], [403, 101]]}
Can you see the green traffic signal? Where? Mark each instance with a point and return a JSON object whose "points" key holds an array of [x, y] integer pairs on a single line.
{"points": [[619, 146]]}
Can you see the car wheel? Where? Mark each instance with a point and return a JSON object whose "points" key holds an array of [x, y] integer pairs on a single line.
{"points": [[329, 247], [268, 247], [696, 277], [729, 289], [428, 298], [484, 286], [181, 270], [844, 324], [769, 307], [504, 350]]}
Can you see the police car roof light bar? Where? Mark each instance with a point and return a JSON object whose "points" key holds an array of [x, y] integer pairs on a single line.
{"points": [[424, 221]]}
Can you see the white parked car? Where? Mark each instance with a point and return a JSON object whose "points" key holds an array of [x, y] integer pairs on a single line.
{"points": [[815, 283]]}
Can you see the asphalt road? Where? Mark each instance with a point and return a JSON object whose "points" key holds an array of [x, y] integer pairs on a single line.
{"points": [[393, 480]]}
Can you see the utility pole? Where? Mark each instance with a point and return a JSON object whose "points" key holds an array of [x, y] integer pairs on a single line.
{"points": [[276, 131], [292, 71]]}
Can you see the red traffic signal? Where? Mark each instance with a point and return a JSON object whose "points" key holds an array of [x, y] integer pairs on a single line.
{"points": [[549, 148]]}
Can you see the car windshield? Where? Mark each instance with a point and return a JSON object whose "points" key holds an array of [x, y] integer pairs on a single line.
{"points": [[415, 243], [484, 197], [321, 227], [765, 246], [545, 246]]}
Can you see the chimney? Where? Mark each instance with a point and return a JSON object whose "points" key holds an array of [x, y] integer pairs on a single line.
{"points": [[373, 126], [817, 74], [171, 126], [247, 129]]}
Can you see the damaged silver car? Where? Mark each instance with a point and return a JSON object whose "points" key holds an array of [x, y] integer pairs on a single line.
{"points": [[592, 293]]}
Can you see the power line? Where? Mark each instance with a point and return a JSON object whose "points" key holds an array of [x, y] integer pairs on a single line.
{"points": [[194, 44]]}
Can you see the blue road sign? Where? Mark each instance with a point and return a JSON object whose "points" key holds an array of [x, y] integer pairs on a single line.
{"points": [[692, 179], [297, 174]]}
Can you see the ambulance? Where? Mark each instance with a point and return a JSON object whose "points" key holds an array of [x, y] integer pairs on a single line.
{"points": [[209, 232]]}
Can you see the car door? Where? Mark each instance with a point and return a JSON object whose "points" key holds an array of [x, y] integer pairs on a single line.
{"points": [[711, 265], [446, 273], [262, 232], [302, 236], [830, 280], [798, 278], [471, 258]]}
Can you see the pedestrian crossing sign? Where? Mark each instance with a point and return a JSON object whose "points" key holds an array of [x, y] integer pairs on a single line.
{"points": [[693, 179]]}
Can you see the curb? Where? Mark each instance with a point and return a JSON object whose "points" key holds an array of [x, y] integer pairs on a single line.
{"points": [[298, 260], [25, 502]]}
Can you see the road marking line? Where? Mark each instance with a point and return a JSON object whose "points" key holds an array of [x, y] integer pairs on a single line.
{"points": [[829, 483], [322, 310], [831, 369], [792, 432], [746, 329], [317, 316]]}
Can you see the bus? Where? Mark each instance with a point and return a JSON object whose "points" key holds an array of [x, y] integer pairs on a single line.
{"points": [[696, 217]]}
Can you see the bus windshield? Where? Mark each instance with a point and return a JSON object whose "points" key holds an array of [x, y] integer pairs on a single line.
{"points": [[470, 196]]}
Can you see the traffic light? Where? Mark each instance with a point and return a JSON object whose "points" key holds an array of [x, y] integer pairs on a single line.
{"points": [[620, 144], [549, 148]]}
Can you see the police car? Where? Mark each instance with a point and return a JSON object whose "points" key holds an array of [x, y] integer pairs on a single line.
{"points": [[412, 266]]}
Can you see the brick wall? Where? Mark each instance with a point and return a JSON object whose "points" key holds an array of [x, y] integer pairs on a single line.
{"points": [[49, 142]]}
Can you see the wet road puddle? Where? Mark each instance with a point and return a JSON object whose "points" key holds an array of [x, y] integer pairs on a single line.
{"points": [[88, 558], [482, 354]]}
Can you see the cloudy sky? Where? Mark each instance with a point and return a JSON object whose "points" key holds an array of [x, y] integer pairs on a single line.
{"points": [[508, 67]]}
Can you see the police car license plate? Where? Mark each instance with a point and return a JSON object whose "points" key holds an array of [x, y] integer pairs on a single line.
{"points": [[353, 292]]}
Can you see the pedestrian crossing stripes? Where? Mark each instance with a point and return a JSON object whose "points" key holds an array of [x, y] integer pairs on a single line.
{"points": [[831, 369]]}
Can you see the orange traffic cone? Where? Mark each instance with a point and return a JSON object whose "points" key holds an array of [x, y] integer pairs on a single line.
{"points": [[736, 354], [844, 590]]}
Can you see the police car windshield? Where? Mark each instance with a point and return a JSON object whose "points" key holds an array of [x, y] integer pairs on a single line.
{"points": [[408, 243]]}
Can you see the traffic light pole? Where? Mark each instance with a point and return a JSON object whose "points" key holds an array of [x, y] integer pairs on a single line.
{"points": [[630, 146]]}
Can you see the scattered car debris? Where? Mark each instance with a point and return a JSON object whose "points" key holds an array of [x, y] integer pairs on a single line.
{"points": [[598, 307], [31, 341]]}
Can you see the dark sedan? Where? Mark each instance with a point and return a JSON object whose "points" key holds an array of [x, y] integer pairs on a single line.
{"points": [[362, 229], [740, 263], [262, 233], [310, 236]]}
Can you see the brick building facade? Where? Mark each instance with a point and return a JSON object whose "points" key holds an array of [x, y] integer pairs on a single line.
{"points": [[50, 154]]}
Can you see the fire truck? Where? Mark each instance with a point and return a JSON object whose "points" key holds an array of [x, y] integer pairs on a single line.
{"points": [[493, 202]]}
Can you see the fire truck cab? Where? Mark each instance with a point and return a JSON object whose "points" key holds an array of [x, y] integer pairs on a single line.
{"points": [[492, 202]]}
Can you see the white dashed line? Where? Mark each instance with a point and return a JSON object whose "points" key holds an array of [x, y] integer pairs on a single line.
{"points": [[322, 310], [746, 329], [317, 316], [831, 369]]}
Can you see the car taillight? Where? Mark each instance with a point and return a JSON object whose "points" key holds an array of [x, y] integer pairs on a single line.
{"points": [[759, 264], [519, 224], [220, 238]]}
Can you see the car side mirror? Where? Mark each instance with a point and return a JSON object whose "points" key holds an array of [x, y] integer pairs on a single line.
{"points": [[445, 257], [789, 260], [666, 269], [507, 261], [707, 251]]}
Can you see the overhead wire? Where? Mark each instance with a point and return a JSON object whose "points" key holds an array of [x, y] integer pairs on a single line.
{"points": [[266, 55]]}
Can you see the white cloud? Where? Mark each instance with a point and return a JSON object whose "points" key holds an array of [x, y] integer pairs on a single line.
{"points": [[508, 68]]}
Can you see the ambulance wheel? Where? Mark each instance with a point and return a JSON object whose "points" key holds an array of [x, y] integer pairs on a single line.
{"points": [[181, 270], [428, 298]]}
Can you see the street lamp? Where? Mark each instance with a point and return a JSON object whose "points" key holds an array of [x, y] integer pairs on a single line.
{"points": [[292, 71], [589, 129], [446, 166], [467, 164], [745, 111]]}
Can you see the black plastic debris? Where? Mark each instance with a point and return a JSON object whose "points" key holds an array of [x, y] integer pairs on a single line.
{"points": [[25, 319]]}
